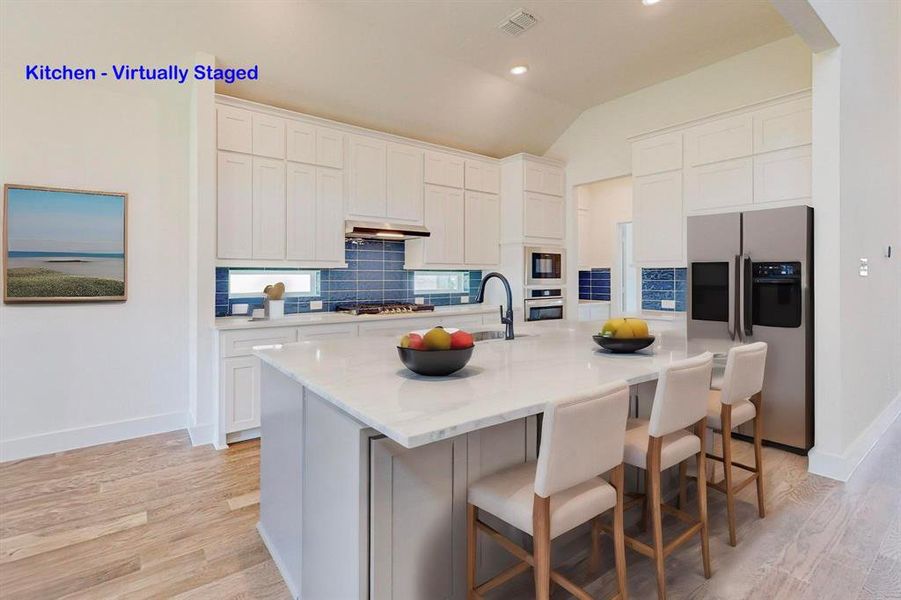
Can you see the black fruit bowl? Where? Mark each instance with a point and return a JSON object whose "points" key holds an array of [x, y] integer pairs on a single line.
{"points": [[435, 363], [622, 345]]}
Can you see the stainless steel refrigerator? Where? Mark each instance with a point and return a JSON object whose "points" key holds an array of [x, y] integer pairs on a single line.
{"points": [[750, 278]]}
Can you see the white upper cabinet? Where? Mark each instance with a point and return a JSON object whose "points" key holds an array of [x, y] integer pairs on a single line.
{"points": [[783, 175], [404, 180], [657, 154], [657, 219], [443, 169], [268, 136], [233, 129], [367, 194], [234, 181], [782, 126], [268, 208], [329, 148], [301, 142], [545, 179], [301, 212], [719, 185], [482, 176], [719, 140], [329, 215], [482, 228], [444, 210], [544, 216]]}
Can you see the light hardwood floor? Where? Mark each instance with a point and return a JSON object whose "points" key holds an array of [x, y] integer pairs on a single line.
{"points": [[156, 518]]}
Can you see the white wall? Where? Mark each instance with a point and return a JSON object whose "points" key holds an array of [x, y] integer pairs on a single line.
{"points": [[72, 375], [856, 99], [595, 146], [605, 204]]}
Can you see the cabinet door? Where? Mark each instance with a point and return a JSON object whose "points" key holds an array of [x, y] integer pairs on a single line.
{"points": [[329, 148], [301, 212], [657, 221], [234, 209], [533, 177], [719, 140], [657, 154], [240, 389], [404, 183], [301, 142], [412, 528], [783, 175], [443, 169], [455, 228], [444, 218], [782, 126], [482, 229], [233, 129], [719, 185], [268, 136], [482, 176], [543, 216], [268, 208], [367, 177], [552, 182], [329, 214]]}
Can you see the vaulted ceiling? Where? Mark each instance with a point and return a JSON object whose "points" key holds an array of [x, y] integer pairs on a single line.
{"points": [[437, 70]]}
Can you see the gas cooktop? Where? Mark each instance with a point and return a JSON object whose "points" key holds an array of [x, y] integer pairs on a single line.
{"points": [[382, 308]]}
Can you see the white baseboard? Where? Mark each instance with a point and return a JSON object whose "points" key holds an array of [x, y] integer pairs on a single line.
{"points": [[842, 466], [292, 586], [202, 434], [81, 437]]}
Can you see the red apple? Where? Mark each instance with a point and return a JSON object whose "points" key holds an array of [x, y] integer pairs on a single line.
{"points": [[461, 339], [412, 340]]}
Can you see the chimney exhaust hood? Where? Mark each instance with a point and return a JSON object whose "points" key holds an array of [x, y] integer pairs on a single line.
{"points": [[372, 230]]}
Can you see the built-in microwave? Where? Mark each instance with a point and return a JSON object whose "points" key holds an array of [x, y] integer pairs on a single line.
{"points": [[545, 266]]}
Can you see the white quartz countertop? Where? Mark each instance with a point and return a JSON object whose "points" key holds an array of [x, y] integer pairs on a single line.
{"points": [[322, 318], [504, 380]]}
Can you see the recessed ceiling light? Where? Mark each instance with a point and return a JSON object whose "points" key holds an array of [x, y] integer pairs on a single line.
{"points": [[649, 2], [519, 69]]}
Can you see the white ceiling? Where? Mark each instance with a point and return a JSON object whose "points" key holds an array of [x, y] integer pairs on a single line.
{"points": [[436, 70]]}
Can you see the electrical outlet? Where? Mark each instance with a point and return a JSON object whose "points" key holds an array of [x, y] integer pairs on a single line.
{"points": [[464, 299], [671, 304], [315, 304], [419, 300], [864, 268]]}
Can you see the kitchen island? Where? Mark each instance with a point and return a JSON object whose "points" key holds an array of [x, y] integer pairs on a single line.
{"points": [[365, 465]]}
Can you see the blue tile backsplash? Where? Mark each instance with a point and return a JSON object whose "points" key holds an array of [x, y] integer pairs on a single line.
{"points": [[663, 284], [594, 284], [375, 273]]}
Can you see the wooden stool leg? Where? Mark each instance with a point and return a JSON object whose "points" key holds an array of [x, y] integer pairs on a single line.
{"points": [[541, 542], [758, 454], [645, 515], [726, 416], [594, 558], [653, 464], [619, 546], [471, 539], [683, 485], [701, 432]]}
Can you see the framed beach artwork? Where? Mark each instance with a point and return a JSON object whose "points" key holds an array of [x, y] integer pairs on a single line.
{"points": [[64, 245]]}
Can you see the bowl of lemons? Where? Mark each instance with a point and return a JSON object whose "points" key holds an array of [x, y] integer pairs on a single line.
{"points": [[624, 335]]}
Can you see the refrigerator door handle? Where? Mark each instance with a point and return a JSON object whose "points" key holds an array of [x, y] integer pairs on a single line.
{"points": [[745, 297], [732, 293]]}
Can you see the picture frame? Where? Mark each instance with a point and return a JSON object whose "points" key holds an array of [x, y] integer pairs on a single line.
{"points": [[64, 245]]}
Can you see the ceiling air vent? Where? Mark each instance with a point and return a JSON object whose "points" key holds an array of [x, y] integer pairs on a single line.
{"points": [[517, 23]]}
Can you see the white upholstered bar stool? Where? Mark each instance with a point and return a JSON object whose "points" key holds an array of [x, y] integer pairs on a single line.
{"points": [[582, 438], [662, 442], [737, 402]]}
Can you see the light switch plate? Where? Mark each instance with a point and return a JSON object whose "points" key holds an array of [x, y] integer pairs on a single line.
{"points": [[419, 300], [464, 299], [315, 304], [668, 304], [864, 268]]}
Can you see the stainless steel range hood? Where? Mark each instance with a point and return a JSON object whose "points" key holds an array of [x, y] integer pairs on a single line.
{"points": [[374, 230]]}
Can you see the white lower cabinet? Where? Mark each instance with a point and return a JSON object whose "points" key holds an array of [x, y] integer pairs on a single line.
{"points": [[417, 519], [240, 390]]}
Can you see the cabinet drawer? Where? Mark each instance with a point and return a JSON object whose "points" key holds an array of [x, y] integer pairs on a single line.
{"points": [[233, 129], [241, 343]]}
